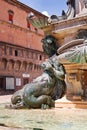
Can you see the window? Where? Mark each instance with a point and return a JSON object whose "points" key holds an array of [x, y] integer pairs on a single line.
{"points": [[40, 57], [11, 14], [35, 66], [16, 53], [28, 23], [18, 81], [10, 83], [4, 64], [5, 50], [10, 51]]}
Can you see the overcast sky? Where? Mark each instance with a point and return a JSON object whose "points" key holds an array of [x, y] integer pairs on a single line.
{"points": [[48, 6]]}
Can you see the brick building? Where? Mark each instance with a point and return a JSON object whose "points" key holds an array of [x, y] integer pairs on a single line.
{"points": [[20, 46]]}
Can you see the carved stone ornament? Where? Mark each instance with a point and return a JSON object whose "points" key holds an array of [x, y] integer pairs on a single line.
{"points": [[85, 2]]}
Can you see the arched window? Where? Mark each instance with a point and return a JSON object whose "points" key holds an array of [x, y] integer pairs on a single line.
{"points": [[35, 66], [4, 64], [10, 16]]}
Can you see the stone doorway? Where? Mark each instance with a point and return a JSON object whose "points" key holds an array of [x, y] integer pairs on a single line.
{"points": [[2, 83], [25, 81]]}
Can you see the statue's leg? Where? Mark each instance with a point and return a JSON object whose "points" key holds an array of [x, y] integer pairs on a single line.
{"points": [[36, 102], [47, 102], [59, 90], [64, 88]]}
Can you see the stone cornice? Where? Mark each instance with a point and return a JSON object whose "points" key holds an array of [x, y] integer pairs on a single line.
{"points": [[24, 7], [66, 25], [20, 46], [77, 21]]}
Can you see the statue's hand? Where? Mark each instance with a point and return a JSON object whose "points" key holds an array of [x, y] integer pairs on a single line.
{"points": [[46, 65]]}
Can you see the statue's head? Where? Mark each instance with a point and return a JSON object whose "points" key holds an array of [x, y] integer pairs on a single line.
{"points": [[68, 2], [49, 45]]}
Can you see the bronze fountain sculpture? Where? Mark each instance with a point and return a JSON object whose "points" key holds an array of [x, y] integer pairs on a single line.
{"points": [[45, 89], [50, 86]]}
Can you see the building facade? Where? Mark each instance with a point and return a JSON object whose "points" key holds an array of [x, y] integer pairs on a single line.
{"points": [[20, 46]]}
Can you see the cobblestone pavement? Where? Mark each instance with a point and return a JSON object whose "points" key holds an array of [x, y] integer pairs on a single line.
{"points": [[5, 98], [5, 128], [36, 119]]}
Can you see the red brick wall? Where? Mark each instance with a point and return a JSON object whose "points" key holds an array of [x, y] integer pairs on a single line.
{"points": [[21, 39], [17, 33]]}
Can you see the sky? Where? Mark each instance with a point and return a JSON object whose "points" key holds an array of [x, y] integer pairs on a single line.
{"points": [[49, 7]]}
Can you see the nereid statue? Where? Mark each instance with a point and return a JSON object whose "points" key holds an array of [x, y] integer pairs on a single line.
{"points": [[45, 89], [50, 86]]}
